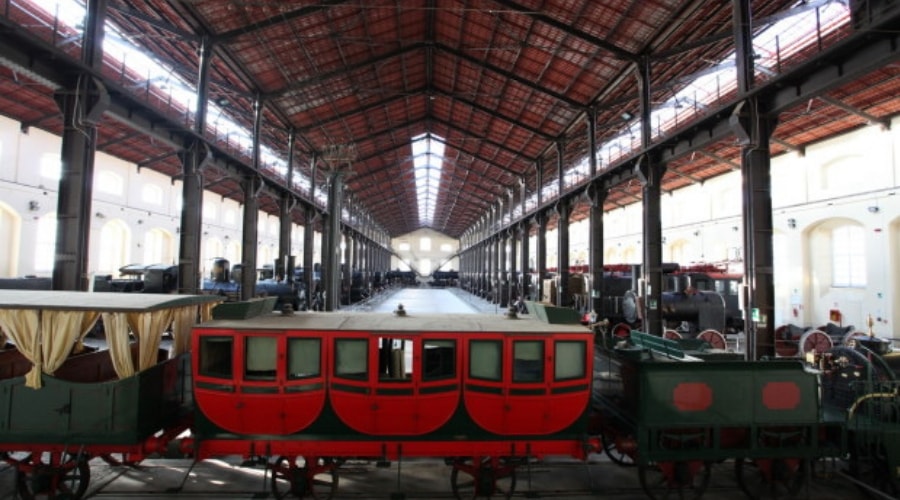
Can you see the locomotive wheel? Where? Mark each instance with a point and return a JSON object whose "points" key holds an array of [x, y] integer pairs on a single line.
{"points": [[317, 478], [815, 341], [869, 464], [683, 480], [715, 339], [671, 334], [618, 456], [50, 475], [482, 478], [768, 478]]}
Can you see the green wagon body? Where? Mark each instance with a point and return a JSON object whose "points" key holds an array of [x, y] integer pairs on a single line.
{"points": [[717, 410], [116, 412]]}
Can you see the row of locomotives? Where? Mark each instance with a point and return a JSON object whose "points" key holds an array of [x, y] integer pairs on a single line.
{"points": [[225, 280], [139, 278], [698, 302], [673, 408], [797, 341], [444, 279], [65, 403], [305, 393]]}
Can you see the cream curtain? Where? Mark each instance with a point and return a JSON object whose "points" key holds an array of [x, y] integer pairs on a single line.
{"points": [[89, 319], [115, 326], [185, 317], [149, 327], [61, 331], [22, 327]]}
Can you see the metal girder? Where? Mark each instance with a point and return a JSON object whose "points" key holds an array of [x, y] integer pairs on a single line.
{"points": [[720, 159], [511, 76], [322, 77], [565, 28], [129, 11], [282, 17], [479, 107], [362, 110], [873, 120]]}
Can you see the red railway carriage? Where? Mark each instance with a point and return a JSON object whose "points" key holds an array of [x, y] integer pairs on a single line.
{"points": [[483, 390]]}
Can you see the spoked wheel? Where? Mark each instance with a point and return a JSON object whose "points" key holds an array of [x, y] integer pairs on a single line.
{"points": [[771, 478], [618, 450], [870, 466], [58, 476], [483, 477], [675, 480], [300, 477]]}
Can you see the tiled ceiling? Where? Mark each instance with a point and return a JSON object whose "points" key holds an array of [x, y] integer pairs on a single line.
{"points": [[505, 84]]}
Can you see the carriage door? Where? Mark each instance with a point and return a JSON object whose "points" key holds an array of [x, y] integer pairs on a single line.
{"points": [[527, 390], [392, 403]]}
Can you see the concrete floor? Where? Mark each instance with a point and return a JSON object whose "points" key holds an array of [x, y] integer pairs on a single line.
{"points": [[415, 479]]}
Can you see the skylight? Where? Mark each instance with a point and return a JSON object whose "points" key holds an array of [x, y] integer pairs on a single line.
{"points": [[428, 157]]}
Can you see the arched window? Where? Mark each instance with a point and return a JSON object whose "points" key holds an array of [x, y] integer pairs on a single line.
{"points": [[158, 247], [848, 256], [109, 183], [115, 237], [210, 211], [51, 167], [213, 248], [425, 244], [152, 194], [10, 228], [233, 252], [45, 243]]}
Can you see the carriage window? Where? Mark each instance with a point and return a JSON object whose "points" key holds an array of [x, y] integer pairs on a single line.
{"points": [[304, 358], [394, 359], [528, 361], [439, 359], [351, 358], [570, 357], [215, 357], [260, 358], [485, 359]]}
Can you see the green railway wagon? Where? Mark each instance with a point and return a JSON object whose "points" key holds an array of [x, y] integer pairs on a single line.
{"points": [[61, 404]]}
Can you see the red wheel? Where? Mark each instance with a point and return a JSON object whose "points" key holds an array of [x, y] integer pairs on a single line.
{"points": [[487, 476], [53, 475], [298, 477], [815, 341], [683, 480], [621, 330], [778, 478], [715, 339], [672, 335]]}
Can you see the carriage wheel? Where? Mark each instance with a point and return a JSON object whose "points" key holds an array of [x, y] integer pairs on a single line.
{"points": [[715, 339], [869, 464], [778, 478], [683, 480], [53, 475], [617, 455], [317, 477], [815, 341], [482, 478]]}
